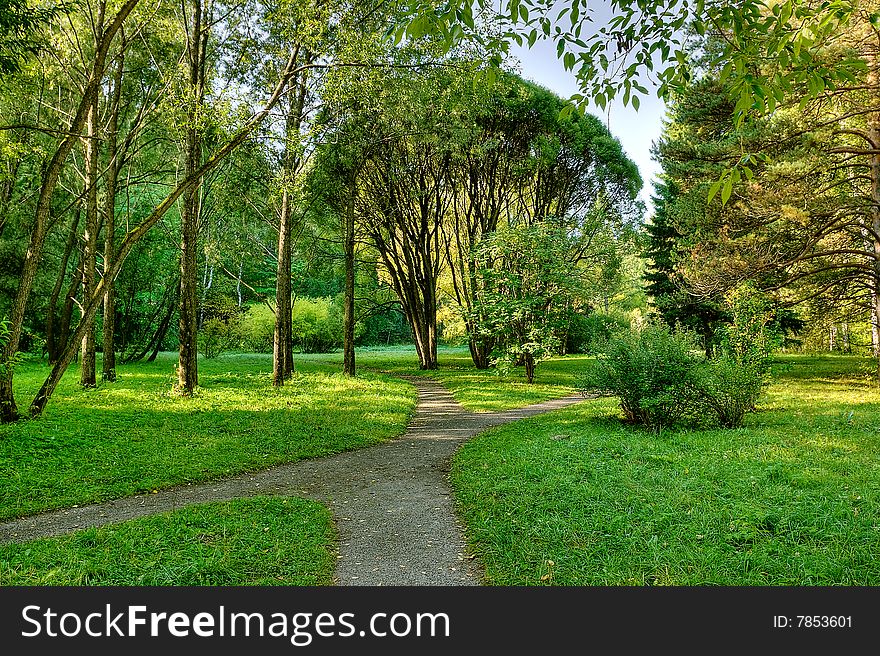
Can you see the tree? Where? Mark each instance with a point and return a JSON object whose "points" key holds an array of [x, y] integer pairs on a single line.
{"points": [[8, 408], [528, 290]]}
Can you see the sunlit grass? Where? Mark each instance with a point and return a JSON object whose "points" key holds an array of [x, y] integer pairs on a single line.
{"points": [[136, 435], [576, 497], [256, 541], [480, 391]]}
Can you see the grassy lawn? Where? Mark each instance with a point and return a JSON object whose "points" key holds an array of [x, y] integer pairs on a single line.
{"points": [[135, 435], [479, 391], [793, 498], [256, 541]]}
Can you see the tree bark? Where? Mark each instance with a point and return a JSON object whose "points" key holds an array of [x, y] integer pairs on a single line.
{"points": [[529, 361], [480, 349], [873, 80], [53, 347], [282, 341], [281, 355]]}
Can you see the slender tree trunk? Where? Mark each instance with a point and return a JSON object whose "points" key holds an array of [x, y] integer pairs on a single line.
{"points": [[348, 356], [282, 345], [238, 282], [529, 361], [187, 367], [874, 136], [875, 324], [69, 305], [283, 308], [108, 370], [90, 242]]}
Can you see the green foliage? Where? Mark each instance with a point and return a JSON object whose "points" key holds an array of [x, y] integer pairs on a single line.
{"points": [[527, 294], [6, 365], [257, 329], [751, 336], [651, 371], [589, 333], [255, 541], [221, 326], [652, 39], [728, 388], [20, 25], [317, 325], [661, 380]]}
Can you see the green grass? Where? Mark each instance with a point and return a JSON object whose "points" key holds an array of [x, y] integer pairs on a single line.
{"points": [[577, 498], [479, 391], [256, 541], [135, 435]]}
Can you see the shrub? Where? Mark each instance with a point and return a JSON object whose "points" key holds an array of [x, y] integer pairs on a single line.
{"points": [[650, 371], [662, 379], [753, 332], [728, 389], [257, 329], [221, 326], [317, 325]]}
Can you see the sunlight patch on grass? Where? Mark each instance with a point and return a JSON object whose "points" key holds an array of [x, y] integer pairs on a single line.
{"points": [[137, 435]]}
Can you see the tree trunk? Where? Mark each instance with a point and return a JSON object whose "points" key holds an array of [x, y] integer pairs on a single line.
{"points": [[348, 359], [108, 369], [69, 305], [187, 366], [874, 137], [875, 324], [90, 242], [480, 351], [282, 347], [282, 358], [529, 361]]}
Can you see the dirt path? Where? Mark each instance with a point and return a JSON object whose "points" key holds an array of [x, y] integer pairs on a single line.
{"points": [[392, 502]]}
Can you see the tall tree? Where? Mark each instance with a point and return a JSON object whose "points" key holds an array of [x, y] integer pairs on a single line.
{"points": [[8, 408]]}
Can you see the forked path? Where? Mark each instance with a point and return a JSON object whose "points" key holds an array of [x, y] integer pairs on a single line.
{"points": [[392, 501]]}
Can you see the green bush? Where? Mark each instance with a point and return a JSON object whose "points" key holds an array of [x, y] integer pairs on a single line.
{"points": [[221, 326], [317, 325], [650, 371], [257, 329], [728, 389], [662, 379]]}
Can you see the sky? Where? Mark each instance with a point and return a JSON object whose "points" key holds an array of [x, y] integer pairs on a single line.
{"points": [[637, 130]]}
